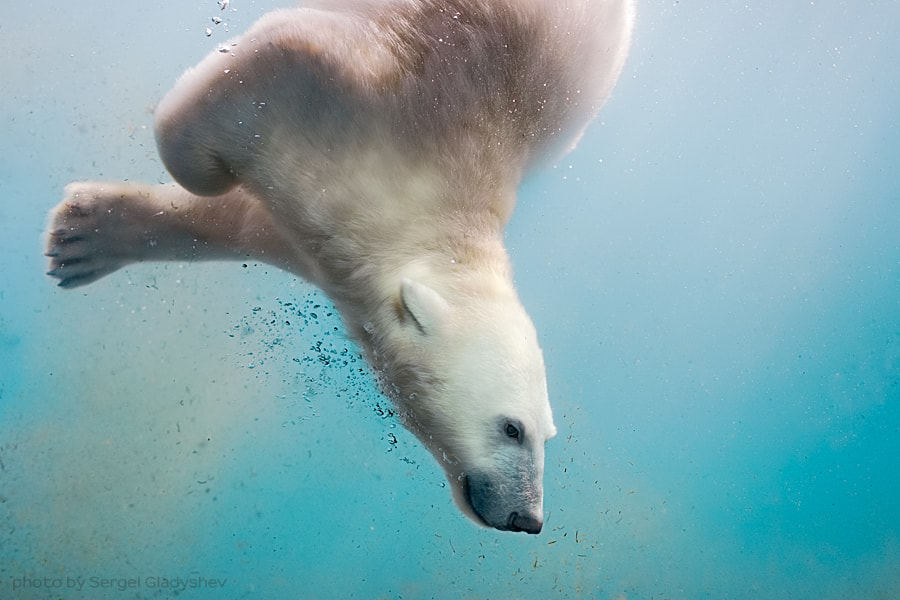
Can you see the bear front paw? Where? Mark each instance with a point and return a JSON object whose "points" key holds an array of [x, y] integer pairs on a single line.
{"points": [[84, 235]]}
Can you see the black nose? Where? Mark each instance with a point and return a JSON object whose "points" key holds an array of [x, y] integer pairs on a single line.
{"points": [[524, 523]]}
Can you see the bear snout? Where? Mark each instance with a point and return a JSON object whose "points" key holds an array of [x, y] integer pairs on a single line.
{"points": [[508, 511]]}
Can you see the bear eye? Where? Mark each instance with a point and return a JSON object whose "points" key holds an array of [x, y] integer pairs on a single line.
{"points": [[511, 431]]}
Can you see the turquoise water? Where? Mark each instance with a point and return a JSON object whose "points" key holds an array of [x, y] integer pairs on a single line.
{"points": [[715, 274]]}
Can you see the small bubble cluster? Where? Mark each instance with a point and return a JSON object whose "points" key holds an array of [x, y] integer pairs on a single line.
{"points": [[216, 19], [302, 341]]}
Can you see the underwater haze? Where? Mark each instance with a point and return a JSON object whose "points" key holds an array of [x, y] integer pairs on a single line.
{"points": [[714, 274]]}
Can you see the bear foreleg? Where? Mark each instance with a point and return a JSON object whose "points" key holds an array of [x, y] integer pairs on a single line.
{"points": [[100, 227]]}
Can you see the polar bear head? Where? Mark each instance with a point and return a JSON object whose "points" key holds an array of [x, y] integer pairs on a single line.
{"points": [[472, 387]]}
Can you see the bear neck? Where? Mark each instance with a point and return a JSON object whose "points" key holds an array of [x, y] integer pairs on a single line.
{"points": [[468, 269]]}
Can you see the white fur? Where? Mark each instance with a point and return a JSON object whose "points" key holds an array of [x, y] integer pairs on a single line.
{"points": [[375, 149]]}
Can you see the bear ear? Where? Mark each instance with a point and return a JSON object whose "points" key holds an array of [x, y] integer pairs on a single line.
{"points": [[424, 306]]}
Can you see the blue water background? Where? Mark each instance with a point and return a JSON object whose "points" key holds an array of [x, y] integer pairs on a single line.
{"points": [[715, 275]]}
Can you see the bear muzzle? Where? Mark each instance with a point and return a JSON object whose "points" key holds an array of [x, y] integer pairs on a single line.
{"points": [[510, 510]]}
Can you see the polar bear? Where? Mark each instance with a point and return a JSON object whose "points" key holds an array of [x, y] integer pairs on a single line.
{"points": [[374, 148]]}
